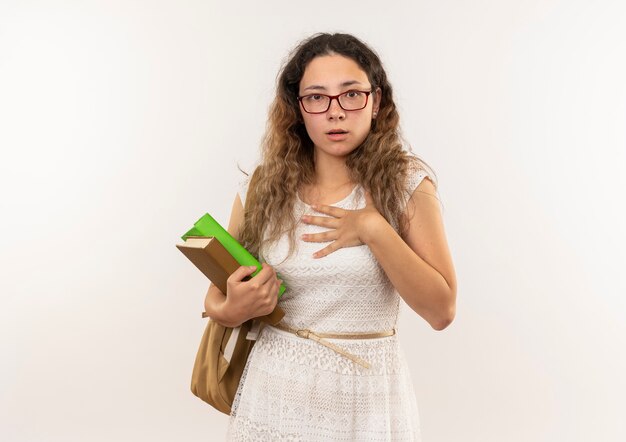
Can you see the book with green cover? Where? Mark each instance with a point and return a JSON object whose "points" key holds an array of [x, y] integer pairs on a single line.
{"points": [[206, 226]]}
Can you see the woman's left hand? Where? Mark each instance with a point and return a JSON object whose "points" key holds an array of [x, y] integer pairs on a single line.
{"points": [[349, 228]]}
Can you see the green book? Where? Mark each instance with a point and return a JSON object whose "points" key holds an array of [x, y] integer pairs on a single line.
{"points": [[208, 227]]}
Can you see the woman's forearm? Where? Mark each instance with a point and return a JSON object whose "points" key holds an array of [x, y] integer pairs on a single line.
{"points": [[421, 286]]}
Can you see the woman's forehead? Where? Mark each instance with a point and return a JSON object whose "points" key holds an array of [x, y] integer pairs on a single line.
{"points": [[332, 71]]}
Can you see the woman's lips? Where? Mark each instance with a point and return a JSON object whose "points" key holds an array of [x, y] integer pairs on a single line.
{"points": [[337, 135]]}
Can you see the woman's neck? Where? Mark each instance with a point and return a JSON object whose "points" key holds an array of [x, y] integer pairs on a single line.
{"points": [[331, 172], [332, 181]]}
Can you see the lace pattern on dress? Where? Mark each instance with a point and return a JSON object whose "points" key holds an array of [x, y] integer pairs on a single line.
{"points": [[315, 395], [295, 389]]}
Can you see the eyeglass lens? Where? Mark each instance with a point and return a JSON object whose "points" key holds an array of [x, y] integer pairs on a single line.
{"points": [[351, 100]]}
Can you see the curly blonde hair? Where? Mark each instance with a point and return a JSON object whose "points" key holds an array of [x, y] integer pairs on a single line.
{"points": [[380, 165]]}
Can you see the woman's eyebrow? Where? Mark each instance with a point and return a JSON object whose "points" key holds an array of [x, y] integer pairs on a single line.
{"points": [[350, 83], [323, 88]]}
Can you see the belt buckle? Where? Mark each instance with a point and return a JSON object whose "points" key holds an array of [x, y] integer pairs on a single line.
{"points": [[303, 333]]}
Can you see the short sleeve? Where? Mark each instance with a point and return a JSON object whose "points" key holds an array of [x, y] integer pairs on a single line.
{"points": [[415, 176], [242, 189]]}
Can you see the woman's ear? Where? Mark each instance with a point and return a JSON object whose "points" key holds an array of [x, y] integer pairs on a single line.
{"points": [[377, 96]]}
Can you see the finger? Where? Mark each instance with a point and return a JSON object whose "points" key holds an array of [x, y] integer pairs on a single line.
{"points": [[278, 283], [322, 221], [270, 269], [330, 210], [329, 235], [277, 280], [266, 274], [269, 284], [330, 248], [239, 274], [269, 290]]}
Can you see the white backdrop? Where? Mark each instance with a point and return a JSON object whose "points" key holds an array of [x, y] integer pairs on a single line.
{"points": [[122, 122]]}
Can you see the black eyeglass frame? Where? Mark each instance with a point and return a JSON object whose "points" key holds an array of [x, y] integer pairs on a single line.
{"points": [[333, 97]]}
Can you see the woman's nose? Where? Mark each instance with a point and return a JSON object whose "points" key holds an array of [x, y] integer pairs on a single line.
{"points": [[335, 110]]}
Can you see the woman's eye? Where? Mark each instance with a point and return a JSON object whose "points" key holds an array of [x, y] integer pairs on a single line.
{"points": [[313, 98], [353, 95]]}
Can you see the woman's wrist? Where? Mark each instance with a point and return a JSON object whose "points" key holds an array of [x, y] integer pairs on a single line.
{"points": [[372, 225], [228, 315], [218, 309]]}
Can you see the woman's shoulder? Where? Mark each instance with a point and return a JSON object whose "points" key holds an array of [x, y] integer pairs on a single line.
{"points": [[416, 172]]}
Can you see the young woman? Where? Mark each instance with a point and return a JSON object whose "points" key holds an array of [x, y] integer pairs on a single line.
{"points": [[350, 220]]}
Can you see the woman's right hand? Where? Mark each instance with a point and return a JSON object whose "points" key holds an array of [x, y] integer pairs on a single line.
{"points": [[253, 298]]}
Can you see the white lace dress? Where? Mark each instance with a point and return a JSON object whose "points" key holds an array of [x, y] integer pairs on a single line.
{"points": [[295, 389]]}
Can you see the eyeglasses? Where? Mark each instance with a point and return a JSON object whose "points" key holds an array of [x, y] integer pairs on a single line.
{"points": [[349, 101]]}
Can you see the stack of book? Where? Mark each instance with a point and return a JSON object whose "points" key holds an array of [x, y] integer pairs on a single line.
{"points": [[217, 254]]}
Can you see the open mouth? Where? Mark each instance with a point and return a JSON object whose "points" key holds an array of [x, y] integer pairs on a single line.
{"points": [[337, 132]]}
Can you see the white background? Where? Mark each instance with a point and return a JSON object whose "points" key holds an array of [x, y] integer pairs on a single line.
{"points": [[122, 122]]}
